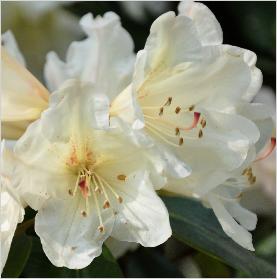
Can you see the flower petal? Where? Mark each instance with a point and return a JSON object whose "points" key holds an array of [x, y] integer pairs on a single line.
{"points": [[230, 226], [142, 218], [23, 99], [207, 26], [9, 43], [69, 239], [105, 58]]}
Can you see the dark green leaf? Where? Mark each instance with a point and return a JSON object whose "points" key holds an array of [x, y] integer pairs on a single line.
{"points": [[18, 256], [39, 266], [148, 262], [198, 227]]}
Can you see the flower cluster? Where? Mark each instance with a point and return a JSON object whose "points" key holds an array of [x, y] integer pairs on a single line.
{"points": [[118, 126]]}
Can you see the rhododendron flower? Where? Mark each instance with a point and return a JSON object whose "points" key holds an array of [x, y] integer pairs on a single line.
{"points": [[191, 94], [12, 210], [23, 96], [87, 184]]}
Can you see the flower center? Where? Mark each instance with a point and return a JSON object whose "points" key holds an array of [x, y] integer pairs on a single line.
{"points": [[92, 187], [169, 124]]}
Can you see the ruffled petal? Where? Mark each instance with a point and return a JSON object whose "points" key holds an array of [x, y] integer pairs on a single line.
{"points": [[238, 233], [105, 58], [68, 238], [142, 217], [9, 43], [207, 26]]}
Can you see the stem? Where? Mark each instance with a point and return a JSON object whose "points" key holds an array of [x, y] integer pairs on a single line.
{"points": [[24, 226]]}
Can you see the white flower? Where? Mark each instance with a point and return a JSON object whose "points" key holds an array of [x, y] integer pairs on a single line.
{"points": [[192, 93], [104, 58], [23, 96], [12, 210], [119, 248], [262, 198], [87, 184]]}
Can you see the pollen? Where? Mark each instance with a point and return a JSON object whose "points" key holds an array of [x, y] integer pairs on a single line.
{"points": [[101, 228], [191, 108], [177, 110], [121, 177], [200, 134], [203, 123], [106, 204], [168, 102], [161, 111]]}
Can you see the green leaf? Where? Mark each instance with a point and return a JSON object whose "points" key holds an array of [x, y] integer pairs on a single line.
{"points": [[198, 227], [148, 262], [39, 266], [18, 256]]}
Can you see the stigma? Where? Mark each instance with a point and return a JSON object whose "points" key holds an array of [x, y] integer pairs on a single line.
{"points": [[94, 188]]}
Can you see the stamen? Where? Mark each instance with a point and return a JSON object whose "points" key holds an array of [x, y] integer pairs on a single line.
{"points": [[162, 137], [268, 150], [177, 110], [168, 102], [203, 123], [191, 108], [244, 171], [200, 134], [161, 111], [101, 185], [106, 204], [101, 227], [159, 130], [110, 187], [121, 177]]}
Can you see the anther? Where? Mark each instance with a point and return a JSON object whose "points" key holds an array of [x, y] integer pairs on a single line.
{"points": [[168, 102], [181, 141], [252, 180], [203, 123], [120, 200], [177, 131], [121, 177], [200, 134], [191, 108], [84, 214], [161, 111], [177, 110], [101, 228], [244, 171], [70, 192], [106, 204]]}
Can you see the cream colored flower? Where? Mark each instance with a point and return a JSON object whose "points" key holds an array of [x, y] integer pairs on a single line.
{"points": [[87, 184], [12, 210], [192, 93], [23, 96]]}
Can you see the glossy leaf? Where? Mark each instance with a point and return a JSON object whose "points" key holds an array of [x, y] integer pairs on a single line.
{"points": [[198, 227], [39, 266], [18, 256]]}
